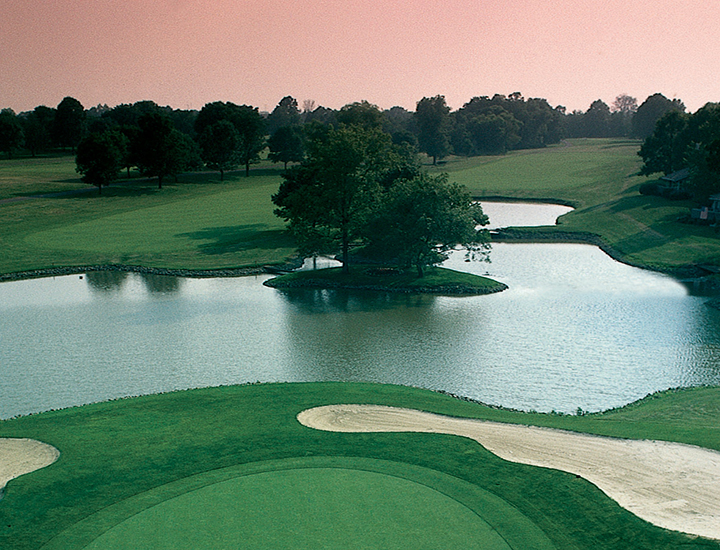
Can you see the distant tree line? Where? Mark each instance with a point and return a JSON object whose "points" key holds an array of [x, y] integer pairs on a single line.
{"points": [[163, 142]]}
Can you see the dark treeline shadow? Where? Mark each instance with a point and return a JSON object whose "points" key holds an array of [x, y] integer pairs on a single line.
{"points": [[161, 284], [312, 301], [106, 281]]}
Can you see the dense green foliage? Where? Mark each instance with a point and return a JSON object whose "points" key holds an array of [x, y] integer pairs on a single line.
{"points": [[325, 199], [100, 156], [432, 116], [119, 458], [681, 140], [417, 222], [11, 132], [219, 143]]}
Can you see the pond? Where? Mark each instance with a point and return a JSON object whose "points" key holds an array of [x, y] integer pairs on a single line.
{"points": [[575, 330]]}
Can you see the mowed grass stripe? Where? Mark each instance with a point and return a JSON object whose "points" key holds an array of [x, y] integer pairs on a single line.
{"points": [[226, 227], [319, 502]]}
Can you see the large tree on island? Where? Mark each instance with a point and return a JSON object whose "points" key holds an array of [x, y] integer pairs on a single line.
{"points": [[418, 221], [323, 198]]}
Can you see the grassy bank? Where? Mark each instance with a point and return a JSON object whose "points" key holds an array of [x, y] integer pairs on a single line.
{"points": [[362, 277], [201, 223], [122, 457], [599, 178]]}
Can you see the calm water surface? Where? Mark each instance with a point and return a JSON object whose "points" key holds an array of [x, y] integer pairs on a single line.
{"points": [[575, 329]]}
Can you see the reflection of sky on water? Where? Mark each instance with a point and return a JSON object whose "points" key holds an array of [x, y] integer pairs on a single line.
{"points": [[575, 329], [522, 214]]}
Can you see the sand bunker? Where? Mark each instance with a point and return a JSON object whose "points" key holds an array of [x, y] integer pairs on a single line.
{"points": [[22, 456], [672, 485]]}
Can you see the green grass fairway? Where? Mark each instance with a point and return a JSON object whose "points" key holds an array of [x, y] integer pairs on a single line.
{"points": [[195, 224], [128, 464], [202, 223]]}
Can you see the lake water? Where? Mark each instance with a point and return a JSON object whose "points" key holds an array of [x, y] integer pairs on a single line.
{"points": [[575, 329]]}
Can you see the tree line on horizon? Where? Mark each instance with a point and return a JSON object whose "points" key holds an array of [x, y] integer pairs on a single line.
{"points": [[484, 125], [164, 142]]}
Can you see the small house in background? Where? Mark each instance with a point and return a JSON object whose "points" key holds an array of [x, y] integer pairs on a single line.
{"points": [[707, 214], [675, 182]]}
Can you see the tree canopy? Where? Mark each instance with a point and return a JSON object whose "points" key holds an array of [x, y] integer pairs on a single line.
{"points": [[357, 188], [160, 150], [433, 121], [100, 156], [418, 221], [11, 132], [69, 123], [323, 197], [219, 143]]}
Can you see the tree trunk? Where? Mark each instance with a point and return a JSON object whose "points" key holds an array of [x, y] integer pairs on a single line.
{"points": [[420, 271], [247, 169], [160, 182], [222, 175], [345, 251]]}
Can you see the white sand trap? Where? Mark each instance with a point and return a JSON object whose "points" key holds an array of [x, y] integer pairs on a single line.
{"points": [[22, 456], [672, 485]]}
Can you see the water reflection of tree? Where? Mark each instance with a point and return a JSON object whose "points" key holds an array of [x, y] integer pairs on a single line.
{"points": [[351, 301], [160, 284], [106, 281]]}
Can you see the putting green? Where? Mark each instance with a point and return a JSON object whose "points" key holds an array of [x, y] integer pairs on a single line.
{"points": [[310, 503]]}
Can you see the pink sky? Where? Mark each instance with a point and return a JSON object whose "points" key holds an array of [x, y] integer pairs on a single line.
{"points": [[185, 53]]}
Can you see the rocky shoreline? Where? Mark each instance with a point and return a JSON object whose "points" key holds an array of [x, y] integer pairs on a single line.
{"points": [[190, 273], [445, 290]]}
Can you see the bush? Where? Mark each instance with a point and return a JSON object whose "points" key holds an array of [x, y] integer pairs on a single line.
{"points": [[650, 188]]}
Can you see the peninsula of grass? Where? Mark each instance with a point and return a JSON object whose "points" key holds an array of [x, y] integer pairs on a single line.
{"points": [[130, 468], [436, 280]]}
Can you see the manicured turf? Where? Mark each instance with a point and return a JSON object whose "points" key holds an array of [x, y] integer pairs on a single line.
{"points": [[196, 224], [315, 503], [124, 457], [201, 223]]}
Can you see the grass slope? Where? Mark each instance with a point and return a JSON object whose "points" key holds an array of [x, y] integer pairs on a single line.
{"points": [[196, 224], [202, 223], [127, 451]]}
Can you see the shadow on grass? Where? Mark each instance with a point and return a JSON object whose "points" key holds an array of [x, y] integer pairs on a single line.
{"points": [[223, 240]]}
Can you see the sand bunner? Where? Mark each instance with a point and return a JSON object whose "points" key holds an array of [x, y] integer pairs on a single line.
{"points": [[22, 456], [671, 485]]}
